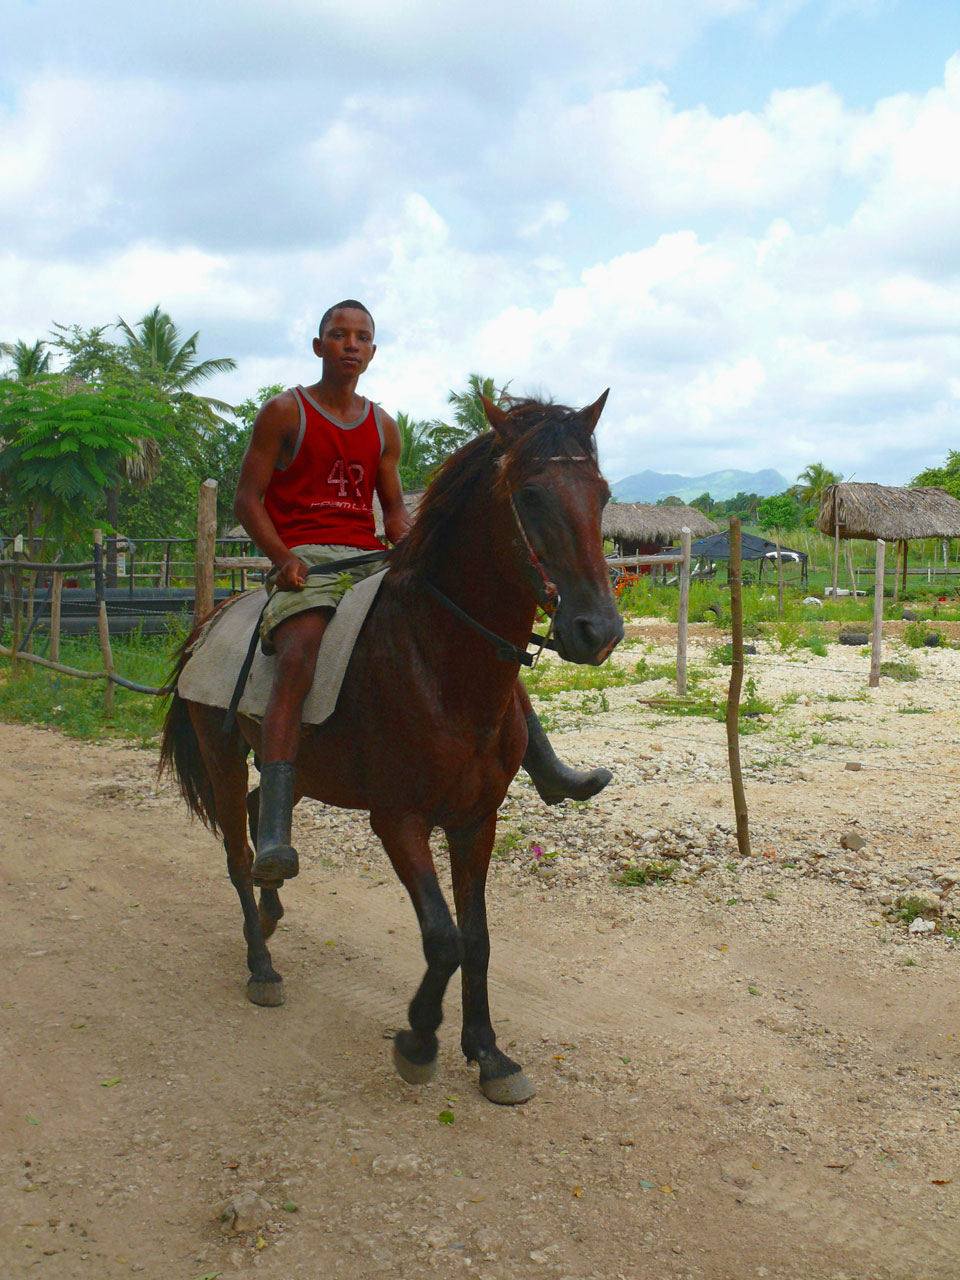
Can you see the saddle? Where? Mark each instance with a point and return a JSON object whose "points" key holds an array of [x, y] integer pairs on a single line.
{"points": [[211, 672]]}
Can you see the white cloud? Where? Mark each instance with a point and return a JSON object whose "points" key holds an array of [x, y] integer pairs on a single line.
{"points": [[756, 286]]}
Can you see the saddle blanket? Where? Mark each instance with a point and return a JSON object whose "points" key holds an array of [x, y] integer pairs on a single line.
{"points": [[210, 673]]}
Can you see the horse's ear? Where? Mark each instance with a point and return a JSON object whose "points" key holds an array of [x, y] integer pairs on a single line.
{"points": [[499, 420], [593, 411]]}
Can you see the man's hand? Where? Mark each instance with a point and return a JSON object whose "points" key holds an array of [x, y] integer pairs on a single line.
{"points": [[292, 575]]}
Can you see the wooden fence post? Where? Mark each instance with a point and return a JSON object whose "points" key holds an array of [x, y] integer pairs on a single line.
{"points": [[683, 612], [206, 550], [55, 599], [836, 542], [733, 696], [877, 643], [102, 625], [853, 579], [16, 602]]}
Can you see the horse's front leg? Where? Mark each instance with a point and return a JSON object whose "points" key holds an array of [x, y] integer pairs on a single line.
{"points": [[501, 1079], [406, 840]]}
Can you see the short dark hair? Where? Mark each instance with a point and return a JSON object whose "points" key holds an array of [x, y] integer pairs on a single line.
{"points": [[353, 304]]}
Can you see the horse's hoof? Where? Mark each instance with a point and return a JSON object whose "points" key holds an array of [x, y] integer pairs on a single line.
{"points": [[268, 993], [508, 1091], [413, 1072]]}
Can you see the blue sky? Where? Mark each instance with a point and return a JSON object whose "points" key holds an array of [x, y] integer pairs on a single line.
{"points": [[741, 215]]}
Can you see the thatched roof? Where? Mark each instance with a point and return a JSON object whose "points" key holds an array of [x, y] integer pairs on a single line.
{"points": [[646, 522], [888, 512]]}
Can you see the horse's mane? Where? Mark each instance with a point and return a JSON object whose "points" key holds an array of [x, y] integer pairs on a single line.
{"points": [[546, 431]]}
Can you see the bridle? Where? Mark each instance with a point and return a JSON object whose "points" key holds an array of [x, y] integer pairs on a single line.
{"points": [[548, 595]]}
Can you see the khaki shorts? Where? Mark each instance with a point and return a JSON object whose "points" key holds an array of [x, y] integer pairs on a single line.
{"points": [[323, 591]]}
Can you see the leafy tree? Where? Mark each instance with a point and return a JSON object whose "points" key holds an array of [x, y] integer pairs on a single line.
{"points": [[671, 501], [945, 477], [62, 444], [159, 350], [743, 505], [155, 491], [704, 503], [777, 514], [417, 451]]}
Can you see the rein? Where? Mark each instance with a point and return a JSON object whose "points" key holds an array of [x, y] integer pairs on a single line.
{"points": [[506, 651]]}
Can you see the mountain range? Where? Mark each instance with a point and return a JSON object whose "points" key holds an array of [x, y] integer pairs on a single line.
{"points": [[651, 486]]}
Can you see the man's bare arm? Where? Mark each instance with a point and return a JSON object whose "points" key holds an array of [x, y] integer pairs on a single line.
{"points": [[396, 518], [274, 431]]}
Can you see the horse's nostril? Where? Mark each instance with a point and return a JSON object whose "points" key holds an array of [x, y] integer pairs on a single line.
{"points": [[587, 632]]}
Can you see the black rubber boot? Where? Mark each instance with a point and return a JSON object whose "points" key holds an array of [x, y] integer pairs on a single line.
{"points": [[276, 858], [554, 780]]}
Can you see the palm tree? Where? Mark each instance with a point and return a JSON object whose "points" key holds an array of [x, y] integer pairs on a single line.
{"points": [[468, 411], [811, 482], [416, 451], [163, 355], [158, 349], [28, 362]]}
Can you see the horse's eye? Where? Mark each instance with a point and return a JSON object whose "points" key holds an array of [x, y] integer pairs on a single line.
{"points": [[531, 497]]}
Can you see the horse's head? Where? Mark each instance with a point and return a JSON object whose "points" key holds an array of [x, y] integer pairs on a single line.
{"points": [[550, 477]]}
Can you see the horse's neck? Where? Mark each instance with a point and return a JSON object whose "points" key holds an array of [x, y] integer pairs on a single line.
{"points": [[477, 572], [481, 575]]}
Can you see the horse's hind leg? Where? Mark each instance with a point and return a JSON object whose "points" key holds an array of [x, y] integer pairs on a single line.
{"points": [[407, 844], [270, 908], [228, 775], [501, 1079]]}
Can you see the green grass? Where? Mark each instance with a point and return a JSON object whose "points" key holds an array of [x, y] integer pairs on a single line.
{"points": [[649, 873], [900, 670], [75, 707], [551, 677]]}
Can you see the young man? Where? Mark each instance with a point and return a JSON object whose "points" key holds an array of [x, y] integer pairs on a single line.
{"points": [[305, 496]]}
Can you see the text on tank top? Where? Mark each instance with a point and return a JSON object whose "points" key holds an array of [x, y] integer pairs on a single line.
{"points": [[325, 493]]}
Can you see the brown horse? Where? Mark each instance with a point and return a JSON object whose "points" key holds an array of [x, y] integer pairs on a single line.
{"points": [[428, 731]]}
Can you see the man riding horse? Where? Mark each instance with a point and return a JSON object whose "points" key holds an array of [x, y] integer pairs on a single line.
{"points": [[305, 497]]}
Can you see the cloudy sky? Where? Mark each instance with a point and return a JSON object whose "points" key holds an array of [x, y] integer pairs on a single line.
{"points": [[741, 215]]}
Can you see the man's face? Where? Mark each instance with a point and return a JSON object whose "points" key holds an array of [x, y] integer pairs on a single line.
{"points": [[347, 344]]}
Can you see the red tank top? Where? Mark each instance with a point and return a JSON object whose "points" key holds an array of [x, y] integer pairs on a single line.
{"points": [[325, 495]]}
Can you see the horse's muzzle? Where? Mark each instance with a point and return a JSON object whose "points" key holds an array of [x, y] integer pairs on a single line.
{"points": [[588, 638]]}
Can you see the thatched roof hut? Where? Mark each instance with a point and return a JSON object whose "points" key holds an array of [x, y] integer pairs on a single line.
{"points": [[636, 524], [885, 511]]}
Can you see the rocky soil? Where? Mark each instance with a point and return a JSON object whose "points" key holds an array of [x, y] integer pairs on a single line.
{"points": [[747, 1066]]}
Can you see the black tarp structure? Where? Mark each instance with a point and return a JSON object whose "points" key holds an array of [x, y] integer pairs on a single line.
{"points": [[717, 547]]}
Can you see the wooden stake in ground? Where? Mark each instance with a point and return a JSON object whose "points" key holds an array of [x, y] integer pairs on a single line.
{"points": [[206, 550], [683, 612], [733, 696], [850, 569], [836, 542], [877, 644], [16, 599], [102, 625], [55, 600]]}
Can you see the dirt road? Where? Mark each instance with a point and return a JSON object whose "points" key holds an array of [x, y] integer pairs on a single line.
{"points": [[759, 1085]]}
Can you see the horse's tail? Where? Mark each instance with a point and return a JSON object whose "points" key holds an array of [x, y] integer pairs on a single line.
{"points": [[180, 752]]}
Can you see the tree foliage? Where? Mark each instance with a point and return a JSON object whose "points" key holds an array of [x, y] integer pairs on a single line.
{"points": [[944, 477], [62, 444], [159, 351], [777, 513]]}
